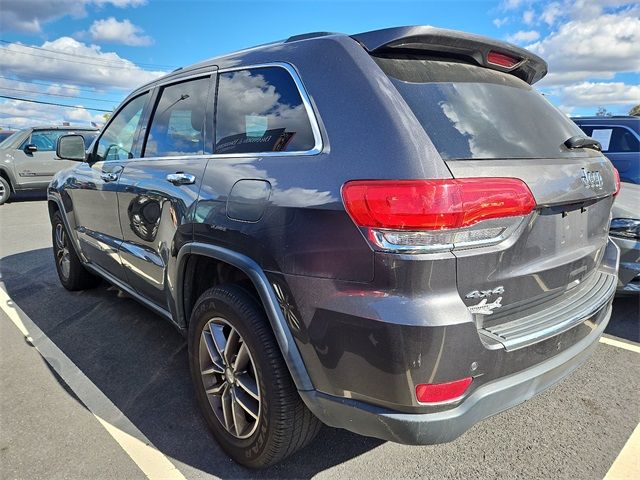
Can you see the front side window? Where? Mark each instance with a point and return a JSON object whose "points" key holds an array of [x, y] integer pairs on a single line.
{"points": [[260, 110], [177, 126], [45, 140], [116, 142]]}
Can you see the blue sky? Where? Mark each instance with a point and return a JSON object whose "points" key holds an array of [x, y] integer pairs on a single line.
{"points": [[108, 47]]}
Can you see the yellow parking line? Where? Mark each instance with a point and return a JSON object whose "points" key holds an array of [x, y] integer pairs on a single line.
{"points": [[617, 343], [627, 465], [153, 463]]}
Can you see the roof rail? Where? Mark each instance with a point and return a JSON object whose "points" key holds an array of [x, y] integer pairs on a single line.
{"points": [[306, 36]]}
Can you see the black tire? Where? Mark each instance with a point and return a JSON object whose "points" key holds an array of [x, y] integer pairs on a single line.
{"points": [[284, 424], [5, 190], [73, 276]]}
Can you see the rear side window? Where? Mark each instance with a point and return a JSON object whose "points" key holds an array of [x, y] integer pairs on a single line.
{"points": [[614, 139], [177, 125], [471, 112], [260, 110]]}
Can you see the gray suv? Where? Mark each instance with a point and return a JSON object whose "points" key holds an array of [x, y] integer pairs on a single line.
{"points": [[28, 158], [390, 232]]}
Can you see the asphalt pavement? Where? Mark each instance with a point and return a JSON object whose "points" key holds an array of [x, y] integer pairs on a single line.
{"points": [[138, 361]]}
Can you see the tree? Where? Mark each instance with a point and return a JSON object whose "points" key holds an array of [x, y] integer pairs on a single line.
{"points": [[603, 112], [635, 111]]}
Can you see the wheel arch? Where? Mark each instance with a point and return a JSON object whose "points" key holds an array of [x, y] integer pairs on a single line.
{"points": [[6, 174], [266, 296]]}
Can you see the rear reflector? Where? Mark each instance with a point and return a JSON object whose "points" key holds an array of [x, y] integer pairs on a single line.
{"points": [[442, 392], [617, 174], [435, 204], [501, 59]]}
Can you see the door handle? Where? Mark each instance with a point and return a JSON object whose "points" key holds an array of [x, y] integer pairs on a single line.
{"points": [[109, 177], [181, 178]]}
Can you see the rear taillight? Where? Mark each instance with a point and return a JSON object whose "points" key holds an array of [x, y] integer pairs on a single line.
{"points": [[617, 175], [424, 215], [442, 392], [502, 60]]}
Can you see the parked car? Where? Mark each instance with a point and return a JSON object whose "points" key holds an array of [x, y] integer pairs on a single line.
{"points": [[625, 232], [390, 232], [4, 134], [620, 139], [28, 158]]}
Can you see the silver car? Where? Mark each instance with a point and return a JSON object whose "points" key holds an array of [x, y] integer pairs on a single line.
{"points": [[28, 158]]}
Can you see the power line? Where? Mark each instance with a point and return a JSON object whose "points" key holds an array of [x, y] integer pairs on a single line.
{"points": [[60, 52], [48, 57], [55, 104], [62, 79], [56, 95], [55, 84]]}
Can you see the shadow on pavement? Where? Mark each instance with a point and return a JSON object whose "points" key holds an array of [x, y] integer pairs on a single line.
{"points": [[625, 318], [139, 361], [35, 196]]}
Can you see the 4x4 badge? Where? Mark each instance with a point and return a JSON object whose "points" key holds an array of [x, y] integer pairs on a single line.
{"points": [[485, 293], [484, 308]]}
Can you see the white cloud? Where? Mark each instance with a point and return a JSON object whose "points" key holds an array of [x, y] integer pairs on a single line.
{"points": [[523, 36], [589, 94], [597, 48], [110, 30], [29, 15], [499, 22], [551, 13], [21, 115], [105, 70], [527, 17], [511, 4]]}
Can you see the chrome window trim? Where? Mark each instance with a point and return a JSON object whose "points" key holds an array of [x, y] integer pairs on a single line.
{"points": [[315, 128]]}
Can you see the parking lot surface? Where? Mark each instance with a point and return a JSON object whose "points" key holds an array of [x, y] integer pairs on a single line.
{"points": [[138, 362]]}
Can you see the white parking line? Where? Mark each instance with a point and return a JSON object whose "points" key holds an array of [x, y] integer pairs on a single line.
{"points": [[617, 343], [627, 465], [154, 464]]}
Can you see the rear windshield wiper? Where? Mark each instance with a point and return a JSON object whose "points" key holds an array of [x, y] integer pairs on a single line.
{"points": [[579, 141]]}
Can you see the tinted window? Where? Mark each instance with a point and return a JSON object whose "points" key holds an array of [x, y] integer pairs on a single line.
{"points": [[116, 142], [47, 140], [177, 126], [614, 139], [260, 110], [5, 135], [474, 112]]}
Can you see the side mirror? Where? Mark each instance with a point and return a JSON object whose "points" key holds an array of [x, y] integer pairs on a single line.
{"points": [[71, 147], [30, 148]]}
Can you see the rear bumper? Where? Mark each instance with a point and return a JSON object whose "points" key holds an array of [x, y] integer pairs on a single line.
{"points": [[487, 400]]}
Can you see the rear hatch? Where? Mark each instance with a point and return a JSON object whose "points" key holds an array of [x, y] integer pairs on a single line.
{"points": [[489, 122]]}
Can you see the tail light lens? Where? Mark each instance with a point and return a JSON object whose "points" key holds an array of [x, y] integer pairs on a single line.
{"points": [[617, 175], [502, 60], [442, 392], [425, 215]]}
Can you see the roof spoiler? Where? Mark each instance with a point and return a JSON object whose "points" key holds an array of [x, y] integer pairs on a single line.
{"points": [[527, 66]]}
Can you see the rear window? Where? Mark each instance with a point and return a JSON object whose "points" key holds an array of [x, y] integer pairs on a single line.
{"points": [[471, 112], [261, 110]]}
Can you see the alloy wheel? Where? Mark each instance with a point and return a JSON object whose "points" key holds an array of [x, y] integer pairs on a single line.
{"points": [[62, 251], [229, 377]]}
